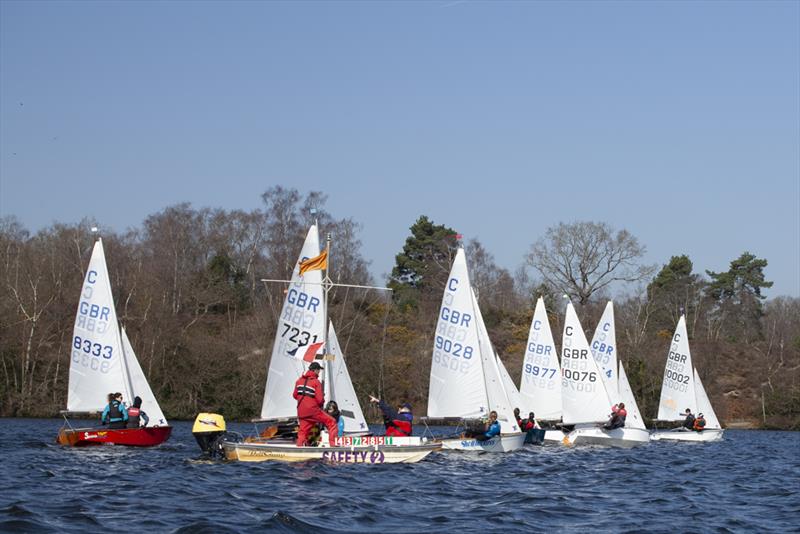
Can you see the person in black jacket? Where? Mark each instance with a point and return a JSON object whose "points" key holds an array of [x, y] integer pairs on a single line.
{"points": [[688, 423], [135, 413]]}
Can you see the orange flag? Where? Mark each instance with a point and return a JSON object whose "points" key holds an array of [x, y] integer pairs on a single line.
{"points": [[314, 264]]}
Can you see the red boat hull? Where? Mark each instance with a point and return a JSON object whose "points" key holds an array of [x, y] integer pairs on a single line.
{"points": [[133, 437]]}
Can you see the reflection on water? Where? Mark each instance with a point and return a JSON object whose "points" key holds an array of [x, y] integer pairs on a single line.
{"points": [[747, 482]]}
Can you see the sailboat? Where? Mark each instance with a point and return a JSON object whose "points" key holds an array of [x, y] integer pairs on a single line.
{"points": [[102, 361], [466, 381], [301, 338], [540, 385], [683, 389], [585, 395]]}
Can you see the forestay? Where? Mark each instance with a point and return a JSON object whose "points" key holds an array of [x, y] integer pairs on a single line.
{"points": [[704, 404], [141, 387], [583, 392], [341, 387], [96, 366], [540, 385], [457, 382], [300, 327], [634, 418], [604, 349], [512, 392], [678, 388]]}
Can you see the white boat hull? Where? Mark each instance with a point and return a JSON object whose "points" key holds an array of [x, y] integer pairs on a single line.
{"points": [[682, 434], [502, 443], [287, 452], [554, 436], [618, 437]]}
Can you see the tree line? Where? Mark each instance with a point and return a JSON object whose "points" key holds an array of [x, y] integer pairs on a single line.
{"points": [[187, 288]]}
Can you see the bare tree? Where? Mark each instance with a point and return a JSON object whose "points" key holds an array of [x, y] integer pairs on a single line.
{"points": [[584, 257]]}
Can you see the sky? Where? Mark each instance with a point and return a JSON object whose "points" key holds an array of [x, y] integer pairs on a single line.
{"points": [[677, 121]]}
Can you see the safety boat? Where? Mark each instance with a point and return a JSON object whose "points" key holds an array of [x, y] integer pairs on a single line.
{"points": [[587, 396], [466, 379], [102, 361], [683, 389]]}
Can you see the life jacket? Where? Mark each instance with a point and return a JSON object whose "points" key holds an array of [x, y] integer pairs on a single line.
{"points": [[133, 417], [114, 413], [699, 424], [622, 412], [689, 422], [308, 394], [528, 425], [398, 427]]}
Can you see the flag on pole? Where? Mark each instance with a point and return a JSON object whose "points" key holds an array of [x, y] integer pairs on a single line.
{"points": [[311, 351], [314, 264]]}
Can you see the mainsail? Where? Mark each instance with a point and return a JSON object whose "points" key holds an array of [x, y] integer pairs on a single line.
{"points": [[604, 350], [583, 391], [540, 385], [300, 327], [97, 365], [678, 388]]}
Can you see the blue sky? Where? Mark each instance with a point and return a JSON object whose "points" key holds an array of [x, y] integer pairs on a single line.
{"points": [[678, 121]]}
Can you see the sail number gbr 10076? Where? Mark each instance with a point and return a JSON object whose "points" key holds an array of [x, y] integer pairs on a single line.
{"points": [[93, 355]]}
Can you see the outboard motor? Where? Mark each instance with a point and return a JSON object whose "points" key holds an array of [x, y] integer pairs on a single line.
{"points": [[208, 430]]}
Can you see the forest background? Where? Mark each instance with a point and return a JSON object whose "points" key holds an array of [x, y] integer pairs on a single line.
{"points": [[187, 287]]}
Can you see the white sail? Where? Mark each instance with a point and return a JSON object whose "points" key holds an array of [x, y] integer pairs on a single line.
{"points": [[301, 326], [704, 405], [604, 350], [457, 383], [540, 385], [678, 388], [496, 392], [512, 392], [141, 387], [634, 418], [97, 365], [583, 393], [341, 387]]}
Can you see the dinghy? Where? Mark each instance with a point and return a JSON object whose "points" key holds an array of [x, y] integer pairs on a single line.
{"points": [[301, 336], [466, 381], [103, 361], [585, 398], [540, 385], [683, 389]]}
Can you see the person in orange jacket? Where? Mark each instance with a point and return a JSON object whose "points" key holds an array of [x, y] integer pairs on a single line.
{"points": [[310, 398]]}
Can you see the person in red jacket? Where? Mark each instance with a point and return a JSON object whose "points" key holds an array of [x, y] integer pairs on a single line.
{"points": [[617, 419], [398, 422], [310, 398]]}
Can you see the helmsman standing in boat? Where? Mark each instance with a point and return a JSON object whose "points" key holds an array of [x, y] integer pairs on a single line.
{"points": [[310, 398]]}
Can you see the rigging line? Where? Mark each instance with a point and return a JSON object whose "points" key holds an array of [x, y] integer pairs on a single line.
{"points": [[383, 347], [355, 320]]}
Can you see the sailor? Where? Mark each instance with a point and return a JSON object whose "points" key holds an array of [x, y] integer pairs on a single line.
{"points": [[529, 423], [491, 429], [115, 415], [310, 398], [699, 423], [332, 409], [618, 415], [135, 413], [518, 418], [397, 422], [688, 423]]}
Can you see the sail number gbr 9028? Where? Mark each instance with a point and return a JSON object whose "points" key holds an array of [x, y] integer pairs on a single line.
{"points": [[93, 355]]}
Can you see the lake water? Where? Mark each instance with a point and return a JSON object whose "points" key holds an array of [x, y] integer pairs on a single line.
{"points": [[749, 482]]}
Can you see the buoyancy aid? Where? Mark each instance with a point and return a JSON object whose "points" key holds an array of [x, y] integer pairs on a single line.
{"points": [[398, 427], [133, 417], [308, 394], [699, 424], [115, 413]]}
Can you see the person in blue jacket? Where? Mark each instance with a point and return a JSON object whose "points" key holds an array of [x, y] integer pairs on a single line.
{"points": [[332, 409], [492, 428], [115, 415]]}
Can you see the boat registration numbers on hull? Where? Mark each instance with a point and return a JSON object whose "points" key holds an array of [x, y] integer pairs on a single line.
{"points": [[356, 441]]}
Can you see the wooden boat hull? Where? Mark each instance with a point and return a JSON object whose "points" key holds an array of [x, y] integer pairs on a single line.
{"points": [[132, 437], [287, 452], [502, 443], [619, 437], [682, 434]]}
